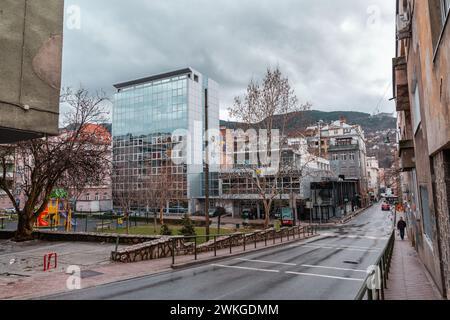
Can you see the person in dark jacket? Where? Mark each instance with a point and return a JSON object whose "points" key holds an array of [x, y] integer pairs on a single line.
{"points": [[401, 226]]}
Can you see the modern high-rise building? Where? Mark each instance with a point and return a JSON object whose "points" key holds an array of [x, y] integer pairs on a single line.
{"points": [[158, 131]]}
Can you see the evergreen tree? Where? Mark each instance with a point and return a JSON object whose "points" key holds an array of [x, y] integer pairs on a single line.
{"points": [[188, 229], [165, 230]]}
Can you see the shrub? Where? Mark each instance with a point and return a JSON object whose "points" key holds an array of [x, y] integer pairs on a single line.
{"points": [[165, 230], [188, 229]]}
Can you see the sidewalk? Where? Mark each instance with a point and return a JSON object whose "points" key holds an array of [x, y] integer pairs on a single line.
{"points": [[408, 279]]}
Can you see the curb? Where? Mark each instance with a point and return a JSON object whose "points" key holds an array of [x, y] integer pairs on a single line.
{"points": [[345, 221], [237, 254], [341, 222]]}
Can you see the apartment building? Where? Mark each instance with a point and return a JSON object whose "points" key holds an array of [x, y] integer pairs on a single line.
{"points": [[421, 77], [347, 155]]}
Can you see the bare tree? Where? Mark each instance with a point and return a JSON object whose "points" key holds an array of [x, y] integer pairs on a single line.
{"points": [[164, 184], [158, 190], [44, 162], [267, 106], [148, 196], [124, 198]]}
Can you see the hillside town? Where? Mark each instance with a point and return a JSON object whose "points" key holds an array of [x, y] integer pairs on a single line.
{"points": [[161, 175]]}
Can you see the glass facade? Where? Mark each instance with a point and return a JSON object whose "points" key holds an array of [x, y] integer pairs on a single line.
{"points": [[152, 108], [145, 116]]}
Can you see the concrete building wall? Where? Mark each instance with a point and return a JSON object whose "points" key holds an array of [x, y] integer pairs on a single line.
{"points": [[426, 48], [30, 67]]}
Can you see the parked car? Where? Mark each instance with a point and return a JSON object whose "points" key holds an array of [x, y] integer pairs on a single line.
{"points": [[386, 206], [177, 210], [10, 211]]}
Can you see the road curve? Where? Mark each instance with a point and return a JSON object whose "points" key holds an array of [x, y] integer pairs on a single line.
{"points": [[328, 267]]}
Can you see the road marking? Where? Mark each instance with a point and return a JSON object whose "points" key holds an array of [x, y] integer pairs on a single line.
{"points": [[288, 272], [302, 265], [323, 276], [269, 262], [333, 268], [244, 268], [335, 248], [339, 248], [353, 247], [354, 237]]}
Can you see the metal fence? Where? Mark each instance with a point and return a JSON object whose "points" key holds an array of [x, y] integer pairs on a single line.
{"points": [[376, 282], [214, 243]]}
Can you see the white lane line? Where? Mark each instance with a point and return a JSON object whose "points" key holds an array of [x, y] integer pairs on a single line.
{"points": [[354, 237], [288, 272], [340, 248], [334, 248], [344, 246], [348, 246], [244, 268], [269, 262], [323, 276], [333, 268], [302, 265]]}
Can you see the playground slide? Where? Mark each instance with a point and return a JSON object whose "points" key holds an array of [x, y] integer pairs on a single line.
{"points": [[40, 220]]}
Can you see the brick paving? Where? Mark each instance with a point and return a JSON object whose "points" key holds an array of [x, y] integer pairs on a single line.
{"points": [[408, 279]]}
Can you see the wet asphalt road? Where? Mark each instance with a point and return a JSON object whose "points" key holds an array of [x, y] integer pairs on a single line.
{"points": [[332, 266]]}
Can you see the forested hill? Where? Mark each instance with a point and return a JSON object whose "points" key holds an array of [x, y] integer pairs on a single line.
{"points": [[301, 120]]}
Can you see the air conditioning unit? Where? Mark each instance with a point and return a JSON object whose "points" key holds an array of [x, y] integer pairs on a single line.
{"points": [[403, 21], [404, 26], [404, 17]]}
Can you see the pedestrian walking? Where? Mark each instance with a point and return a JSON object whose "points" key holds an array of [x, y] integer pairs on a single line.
{"points": [[401, 226]]}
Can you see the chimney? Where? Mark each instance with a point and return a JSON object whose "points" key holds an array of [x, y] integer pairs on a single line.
{"points": [[342, 120]]}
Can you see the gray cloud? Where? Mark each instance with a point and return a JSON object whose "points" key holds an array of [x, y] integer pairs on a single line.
{"points": [[337, 54]]}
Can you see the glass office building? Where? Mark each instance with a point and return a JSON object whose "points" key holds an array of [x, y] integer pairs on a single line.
{"points": [[151, 117]]}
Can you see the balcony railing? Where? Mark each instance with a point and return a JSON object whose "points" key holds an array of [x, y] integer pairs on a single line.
{"points": [[332, 148]]}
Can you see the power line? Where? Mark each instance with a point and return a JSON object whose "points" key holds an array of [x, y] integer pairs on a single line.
{"points": [[378, 109]]}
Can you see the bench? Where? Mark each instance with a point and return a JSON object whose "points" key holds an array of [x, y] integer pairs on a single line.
{"points": [[106, 225]]}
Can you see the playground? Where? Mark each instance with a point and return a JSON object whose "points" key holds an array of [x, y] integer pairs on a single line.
{"points": [[58, 213]]}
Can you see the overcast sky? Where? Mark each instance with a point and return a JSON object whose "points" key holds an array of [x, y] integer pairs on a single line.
{"points": [[336, 53]]}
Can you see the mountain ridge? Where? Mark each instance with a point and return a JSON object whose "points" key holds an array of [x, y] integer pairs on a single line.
{"points": [[303, 119]]}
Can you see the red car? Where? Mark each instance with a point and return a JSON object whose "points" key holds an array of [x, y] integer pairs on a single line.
{"points": [[386, 207]]}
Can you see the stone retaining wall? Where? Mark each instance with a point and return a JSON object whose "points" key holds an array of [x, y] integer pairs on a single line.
{"points": [[84, 237], [163, 247]]}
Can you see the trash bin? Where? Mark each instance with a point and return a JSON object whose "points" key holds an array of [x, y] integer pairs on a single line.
{"points": [[238, 226]]}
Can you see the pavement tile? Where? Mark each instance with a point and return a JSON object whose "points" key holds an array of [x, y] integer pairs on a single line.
{"points": [[408, 279]]}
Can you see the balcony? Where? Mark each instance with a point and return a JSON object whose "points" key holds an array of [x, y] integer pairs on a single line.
{"points": [[407, 155], [401, 84], [343, 147]]}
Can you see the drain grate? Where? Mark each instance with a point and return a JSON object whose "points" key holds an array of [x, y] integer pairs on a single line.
{"points": [[15, 275], [89, 274], [351, 262]]}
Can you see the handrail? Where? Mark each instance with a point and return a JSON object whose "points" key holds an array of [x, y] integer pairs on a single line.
{"points": [[383, 264], [235, 239]]}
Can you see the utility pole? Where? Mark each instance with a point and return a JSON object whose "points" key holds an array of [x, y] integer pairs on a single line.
{"points": [[320, 137], [206, 167]]}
